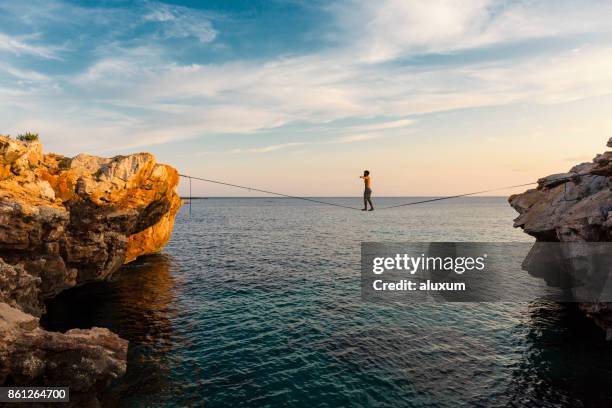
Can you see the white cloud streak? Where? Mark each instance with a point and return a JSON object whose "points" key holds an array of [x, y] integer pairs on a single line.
{"points": [[357, 138], [20, 46], [180, 22], [22, 74], [268, 149]]}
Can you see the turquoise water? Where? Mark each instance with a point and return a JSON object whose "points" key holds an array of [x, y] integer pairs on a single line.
{"points": [[256, 302]]}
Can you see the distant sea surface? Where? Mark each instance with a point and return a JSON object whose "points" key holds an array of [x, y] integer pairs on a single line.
{"points": [[256, 302]]}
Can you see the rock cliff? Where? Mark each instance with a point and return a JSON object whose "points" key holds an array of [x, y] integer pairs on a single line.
{"points": [[572, 207], [65, 222]]}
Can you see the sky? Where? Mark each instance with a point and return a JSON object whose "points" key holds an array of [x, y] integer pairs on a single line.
{"points": [[434, 97]]}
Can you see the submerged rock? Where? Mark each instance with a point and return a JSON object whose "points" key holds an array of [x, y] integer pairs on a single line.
{"points": [[572, 207], [65, 222]]}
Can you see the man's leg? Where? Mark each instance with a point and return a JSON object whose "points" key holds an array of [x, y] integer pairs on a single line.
{"points": [[368, 199], [365, 201]]}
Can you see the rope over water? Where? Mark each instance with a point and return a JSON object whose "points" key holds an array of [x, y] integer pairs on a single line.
{"points": [[565, 179], [266, 191]]}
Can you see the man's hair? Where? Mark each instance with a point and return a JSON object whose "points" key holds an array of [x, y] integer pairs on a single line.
{"points": [[366, 172]]}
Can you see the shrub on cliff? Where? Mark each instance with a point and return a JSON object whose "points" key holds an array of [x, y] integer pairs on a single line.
{"points": [[27, 137]]}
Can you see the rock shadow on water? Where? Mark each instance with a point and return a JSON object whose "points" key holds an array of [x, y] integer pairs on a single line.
{"points": [[566, 361], [138, 304]]}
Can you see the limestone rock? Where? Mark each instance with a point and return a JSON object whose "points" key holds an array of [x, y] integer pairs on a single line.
{"points": [[572, 207], [65, 222], [20, 156], [68, 221], [84, 360], [19, 289]]}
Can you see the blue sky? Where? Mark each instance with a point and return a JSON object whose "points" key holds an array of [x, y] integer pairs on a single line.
{"points": [[434, 97]]}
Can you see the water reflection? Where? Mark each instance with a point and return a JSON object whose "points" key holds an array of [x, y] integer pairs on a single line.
{"points": [[138, 305], [566, 361]]}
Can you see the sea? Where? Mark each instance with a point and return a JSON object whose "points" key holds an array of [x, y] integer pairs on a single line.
{"points": [[256, 302]]}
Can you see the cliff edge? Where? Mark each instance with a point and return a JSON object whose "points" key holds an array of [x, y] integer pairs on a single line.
{"points": [[65, 222], [572, 207]]}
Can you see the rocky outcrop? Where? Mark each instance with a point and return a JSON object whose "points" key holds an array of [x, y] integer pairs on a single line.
{"points": [[84, 360], [572, 207], [65, 222]]}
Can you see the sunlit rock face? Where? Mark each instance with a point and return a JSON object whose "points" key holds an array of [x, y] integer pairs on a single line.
{"points": [[572, 207], [67, 221]]}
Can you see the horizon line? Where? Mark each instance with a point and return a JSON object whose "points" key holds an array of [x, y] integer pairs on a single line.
{"points": [[320, 196]]}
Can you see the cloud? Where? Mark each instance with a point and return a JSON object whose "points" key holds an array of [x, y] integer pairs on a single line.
{"points": [[283, 146], [395, 124], [98, 29], [23, 74], [19, 46], [563, 77], [390, 29], [137, 93], [173, 102], [107, 70], [356, 138], [319, 89], [267, 149], [180, 22]]}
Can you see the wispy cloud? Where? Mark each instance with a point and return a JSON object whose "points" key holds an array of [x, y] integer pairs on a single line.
{"points": [[267, 149], [23, 74], [394, 124], [134, 91], [356, 138], [392, 29], [21, 46], [246, 98], [180, 22], [283, 146]]}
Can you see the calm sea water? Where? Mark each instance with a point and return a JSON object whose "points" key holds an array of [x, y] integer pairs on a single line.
{"points": [[256, 302]]}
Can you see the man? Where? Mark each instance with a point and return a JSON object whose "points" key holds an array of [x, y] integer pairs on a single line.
{"points": [[367, 193]]}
